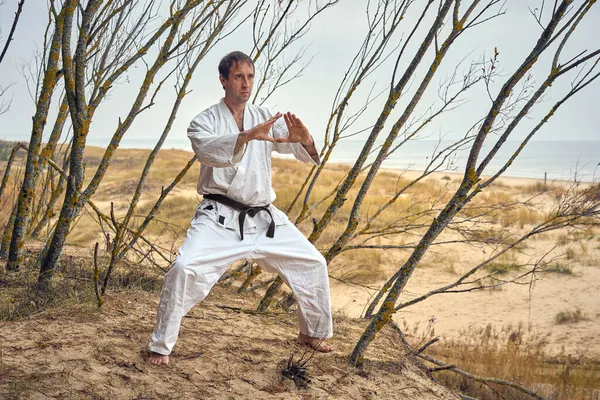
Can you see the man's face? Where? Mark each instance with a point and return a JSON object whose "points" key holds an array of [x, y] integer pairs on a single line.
{"points": [[238, 87]]}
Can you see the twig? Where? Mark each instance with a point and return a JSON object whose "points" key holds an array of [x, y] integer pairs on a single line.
{"points": [[426, 345], [97, 276], [12, 29]]}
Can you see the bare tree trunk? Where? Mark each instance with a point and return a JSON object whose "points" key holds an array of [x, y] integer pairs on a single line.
{"points": [[54, 196], [255, 270], [267, 299], [47, 153], [7, 233], [32, 166], [11, 159]]}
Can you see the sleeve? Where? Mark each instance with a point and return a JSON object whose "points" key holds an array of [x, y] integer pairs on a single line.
{"points": [[211, 148], [280, 130]]}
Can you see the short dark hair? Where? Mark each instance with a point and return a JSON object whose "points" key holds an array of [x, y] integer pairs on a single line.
{"points": [[232, 59]]}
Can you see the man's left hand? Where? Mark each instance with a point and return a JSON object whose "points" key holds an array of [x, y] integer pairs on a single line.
{"points": [[297, 131]]}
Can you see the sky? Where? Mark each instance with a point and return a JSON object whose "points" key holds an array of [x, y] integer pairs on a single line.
{"points": [[333, 39]]}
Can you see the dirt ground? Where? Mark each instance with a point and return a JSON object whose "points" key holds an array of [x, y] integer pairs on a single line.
{"points": [[79, 352]]}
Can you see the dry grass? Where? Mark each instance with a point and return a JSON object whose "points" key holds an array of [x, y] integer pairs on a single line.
{"points": [[512, 353], [72, 283], [535, 188], [419, 204], [503, 208], [520, 217]]}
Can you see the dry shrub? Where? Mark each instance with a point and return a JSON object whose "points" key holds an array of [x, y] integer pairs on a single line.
{"points": [[497, 197], [500, 268]]}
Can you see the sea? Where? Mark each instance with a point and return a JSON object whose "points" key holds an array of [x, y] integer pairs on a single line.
{"points": [[553, 160]]}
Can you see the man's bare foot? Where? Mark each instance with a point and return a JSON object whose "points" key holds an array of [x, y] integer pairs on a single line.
{"points": [[158, 359], [314, 343]]}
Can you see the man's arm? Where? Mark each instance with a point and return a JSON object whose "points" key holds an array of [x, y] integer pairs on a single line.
{"points": [[212, 150], [311, 149]]}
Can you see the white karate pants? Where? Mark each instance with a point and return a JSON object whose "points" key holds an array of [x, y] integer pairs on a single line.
{"points": [[210, 248]]}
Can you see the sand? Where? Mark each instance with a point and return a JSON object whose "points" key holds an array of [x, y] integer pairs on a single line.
{"points": [[77, 352]]}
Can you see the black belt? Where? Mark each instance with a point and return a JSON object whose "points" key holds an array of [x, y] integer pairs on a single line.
{"points": [[244, 210]]}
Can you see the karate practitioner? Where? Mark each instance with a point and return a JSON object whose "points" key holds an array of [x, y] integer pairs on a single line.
{"points": [[236, 219]]}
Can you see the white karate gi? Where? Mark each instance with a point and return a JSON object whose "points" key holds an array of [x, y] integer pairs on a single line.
{"points": [[213, 240]]}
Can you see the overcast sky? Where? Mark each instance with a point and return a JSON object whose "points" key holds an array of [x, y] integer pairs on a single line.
{"points": [[335, 36]]}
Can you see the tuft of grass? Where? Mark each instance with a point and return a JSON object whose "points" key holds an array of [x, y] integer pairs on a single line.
{"points": [[536, 187], [562, 239], [297, 370], [571, 254], [500, 268], [520, 217], [570, 316], [364, 266], [559, 268]]}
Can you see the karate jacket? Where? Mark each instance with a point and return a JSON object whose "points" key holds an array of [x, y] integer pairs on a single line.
{"points": [[244, 176]]}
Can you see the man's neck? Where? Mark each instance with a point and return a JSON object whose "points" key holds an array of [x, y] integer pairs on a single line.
{"points": [[237, 109]]}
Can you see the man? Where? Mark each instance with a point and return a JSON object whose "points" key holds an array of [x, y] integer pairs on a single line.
{"points": [[233, 141]]}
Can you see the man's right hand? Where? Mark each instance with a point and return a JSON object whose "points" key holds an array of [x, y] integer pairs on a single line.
{"points": [[259, 132]]}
